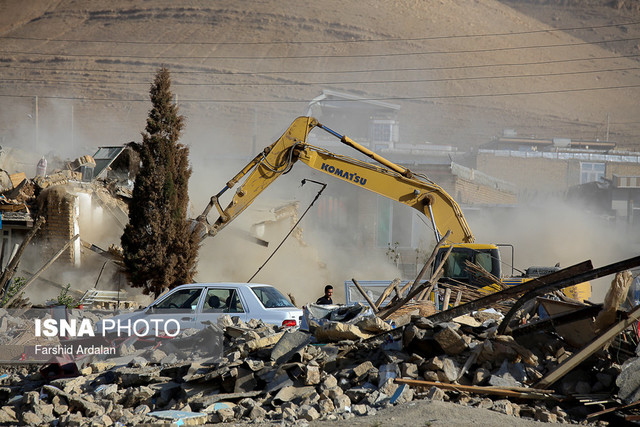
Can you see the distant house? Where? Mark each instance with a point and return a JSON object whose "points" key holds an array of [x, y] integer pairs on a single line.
{"points": [[553, 165], [371, 122]]}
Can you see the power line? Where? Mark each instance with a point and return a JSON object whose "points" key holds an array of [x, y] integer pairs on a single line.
{"points": [[316, 42], [391, 98], [447, 79], [332, 56], [374, 70]]}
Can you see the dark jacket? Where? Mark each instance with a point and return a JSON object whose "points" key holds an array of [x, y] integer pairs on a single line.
{"points": [[324, 301]]}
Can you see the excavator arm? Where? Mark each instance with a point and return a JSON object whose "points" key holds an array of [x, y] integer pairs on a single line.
{"points": [[387, 179]]}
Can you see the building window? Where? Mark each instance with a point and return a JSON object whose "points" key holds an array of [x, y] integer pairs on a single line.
{"points": [[590, 172], [384, 131]]}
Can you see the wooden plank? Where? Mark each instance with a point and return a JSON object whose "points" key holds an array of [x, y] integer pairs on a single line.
{"points": [[512, 292], [432, 258], [366, 297], [615, 408], [595, 345], [17, 178], [520, 392], [393, 285], [458, 299], [566, 282]]}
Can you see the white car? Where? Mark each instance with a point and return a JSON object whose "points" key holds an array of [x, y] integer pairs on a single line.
{"points": [[191, 305]]}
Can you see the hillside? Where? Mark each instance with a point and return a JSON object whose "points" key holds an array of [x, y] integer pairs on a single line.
{"points": [[461, 71]]}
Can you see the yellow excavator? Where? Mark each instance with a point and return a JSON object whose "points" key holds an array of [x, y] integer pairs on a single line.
{"points": [[385, 178]]}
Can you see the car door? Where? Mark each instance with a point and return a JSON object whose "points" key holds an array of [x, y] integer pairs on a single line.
{"points": [[220, 300], [180, 305]]}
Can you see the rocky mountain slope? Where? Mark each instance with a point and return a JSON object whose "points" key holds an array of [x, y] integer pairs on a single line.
{"points": [[461, 71]]}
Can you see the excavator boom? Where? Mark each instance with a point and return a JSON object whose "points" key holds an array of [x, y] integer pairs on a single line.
{"points": [[387, 179]]}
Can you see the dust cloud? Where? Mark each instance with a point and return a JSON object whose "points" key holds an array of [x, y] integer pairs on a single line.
{"points": [[552, 231], [304, 263]]}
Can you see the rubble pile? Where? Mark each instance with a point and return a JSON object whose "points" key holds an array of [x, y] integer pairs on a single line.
{"points": [[267, 373]]}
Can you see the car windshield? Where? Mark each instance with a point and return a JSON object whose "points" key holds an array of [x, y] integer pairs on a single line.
{"points": [[182, 300], [270, 297]]}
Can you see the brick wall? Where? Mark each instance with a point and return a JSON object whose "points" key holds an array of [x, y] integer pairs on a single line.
{"points": [[469, 193], [536, 174], [60, 214]]}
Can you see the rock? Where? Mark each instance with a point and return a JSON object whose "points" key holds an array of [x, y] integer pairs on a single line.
{"points": [[362, 369], [423, 323], [338, 331], [31, 419], [545, 416], [509, 375], [434, 364], [257, 413], [485, 403], [224, 321], [31, 399], [403, 394], [628, 380], [411, 332], [60, 406], [326, 406], [142, 410], [450, 369], [341, 402], [312, 399], [289, 344], [308, 413], [155, 356], [360, 410], [409, 370], [430, 376], [388, 387], [374, 324], [169, 359], [450, 341], [333, 392], [481, 376], [329, 382], [289, 393], [313, 375], [503, 406], [226, 414], [125, 350], [435, 393]]}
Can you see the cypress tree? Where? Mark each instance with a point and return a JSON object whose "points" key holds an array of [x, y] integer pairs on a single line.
{"points": [[159, 249]]}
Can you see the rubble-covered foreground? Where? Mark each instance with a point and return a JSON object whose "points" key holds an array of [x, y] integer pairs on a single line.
{"points": [[269, 374]]}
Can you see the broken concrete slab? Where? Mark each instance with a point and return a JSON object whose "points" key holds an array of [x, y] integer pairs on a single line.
{"points": [[289, 343], [185, 418]]}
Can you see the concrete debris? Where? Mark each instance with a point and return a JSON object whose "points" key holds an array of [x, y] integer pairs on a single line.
{"points": [[340, 369]]}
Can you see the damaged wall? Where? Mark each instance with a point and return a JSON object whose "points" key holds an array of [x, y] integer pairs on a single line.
{"points": [[61, 210]]}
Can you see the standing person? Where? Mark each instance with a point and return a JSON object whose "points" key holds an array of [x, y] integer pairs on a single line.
{"points": [[326, 299]]}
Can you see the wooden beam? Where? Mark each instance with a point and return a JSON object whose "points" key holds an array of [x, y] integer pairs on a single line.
{"points": [[39, 272], [432, 258], [366, 297], [393, 285], [15, 260], [595, 345], [592, 274], [512, 292], [520, 392]]}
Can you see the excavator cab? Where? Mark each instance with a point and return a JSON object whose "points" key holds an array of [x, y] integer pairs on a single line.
{"points": [[455, 270]]}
